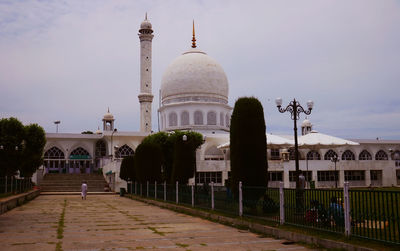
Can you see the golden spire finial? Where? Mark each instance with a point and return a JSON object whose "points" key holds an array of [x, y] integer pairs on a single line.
{"points": [[145, 17], [194, 38], [108, 109]]}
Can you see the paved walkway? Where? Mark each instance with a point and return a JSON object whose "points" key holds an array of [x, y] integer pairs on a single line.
{"points": [[108, 222]]}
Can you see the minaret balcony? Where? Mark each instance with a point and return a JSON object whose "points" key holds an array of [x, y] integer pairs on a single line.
{"points": [[145, 97]]}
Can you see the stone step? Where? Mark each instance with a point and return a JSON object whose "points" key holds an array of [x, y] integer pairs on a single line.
{"points": [[72, 182], [56, 183], [69, 189], [93, 189], [69, 185], [73, 177]]}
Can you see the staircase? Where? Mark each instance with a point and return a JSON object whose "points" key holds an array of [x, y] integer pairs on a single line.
{"points": [[58, 182]]}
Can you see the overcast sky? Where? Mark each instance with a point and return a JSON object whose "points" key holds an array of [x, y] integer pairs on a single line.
{"points": [[71, 60]]}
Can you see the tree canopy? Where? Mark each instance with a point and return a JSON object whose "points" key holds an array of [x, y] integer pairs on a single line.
{"points": [[248, 144], [21, 147], [35, 140], [163, 139], [177, 156], [127, 170], [148, 160], [184, 155]]}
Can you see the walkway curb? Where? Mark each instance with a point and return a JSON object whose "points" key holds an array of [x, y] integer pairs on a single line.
{"points": [[9, 203], [256, 227]]}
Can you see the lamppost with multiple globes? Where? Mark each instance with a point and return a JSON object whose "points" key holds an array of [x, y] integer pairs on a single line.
{"points": [[295, 109]]}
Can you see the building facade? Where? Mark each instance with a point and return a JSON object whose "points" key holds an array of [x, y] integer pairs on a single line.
{"points": [[194, 96]]}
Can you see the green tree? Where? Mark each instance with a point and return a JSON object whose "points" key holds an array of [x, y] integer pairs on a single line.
{"points": [[127, 171], [21, 147], [248, 146], [184, 155], [177, 156], [11, 137], [167, 147], [147, 162], [35, 140]]}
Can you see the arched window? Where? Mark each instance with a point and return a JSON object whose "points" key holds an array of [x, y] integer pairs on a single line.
{"points": [[348, 155], [172, 119], [396, 155], [381, 155], [313, 155], [227, 120], [221, 119], [329, 154], [100, 149], [54, 159], [198, 118], [365, 155], [124, 151], [184, 118], [54, 153], [79, 153], [211, 118], [213, 153], [292, 154]]}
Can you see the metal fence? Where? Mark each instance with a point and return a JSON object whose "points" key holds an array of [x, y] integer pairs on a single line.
{"points": [[12, 185], [362, 213], [375, 214]]}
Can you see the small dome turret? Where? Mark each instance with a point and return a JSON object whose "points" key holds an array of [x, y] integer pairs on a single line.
{"points": [[98, 131], [306, 122], [145, 26], [108, 116], [108, 121], [306, 127]]}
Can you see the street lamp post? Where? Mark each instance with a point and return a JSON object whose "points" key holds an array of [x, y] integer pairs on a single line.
{"points": [[295, 109], [115, 151], [112, 147], [184, 139], [335, 159], [57, 123]]}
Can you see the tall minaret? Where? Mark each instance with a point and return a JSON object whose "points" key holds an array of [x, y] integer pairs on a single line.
{"points": [[145, 96]]}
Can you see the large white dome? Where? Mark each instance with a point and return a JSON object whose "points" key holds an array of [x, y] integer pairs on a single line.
{"points": [[194, 76]]}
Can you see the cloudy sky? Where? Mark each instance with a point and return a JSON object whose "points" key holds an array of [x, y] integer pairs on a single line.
{"points": [[70, 60]]}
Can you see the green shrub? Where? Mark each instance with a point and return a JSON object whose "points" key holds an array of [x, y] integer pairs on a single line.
{"points": [[147, 162], [127, 170], [184, 155]]}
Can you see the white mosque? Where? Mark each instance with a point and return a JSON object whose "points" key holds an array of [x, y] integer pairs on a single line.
{"points": [[194, 96]]}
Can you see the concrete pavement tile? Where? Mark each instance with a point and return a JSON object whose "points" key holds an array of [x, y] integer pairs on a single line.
{"points": [[108, 222]]}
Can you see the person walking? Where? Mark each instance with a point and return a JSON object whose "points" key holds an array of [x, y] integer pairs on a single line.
{"points": [[84, 189]]}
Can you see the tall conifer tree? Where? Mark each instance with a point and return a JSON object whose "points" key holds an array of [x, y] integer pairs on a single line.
{"points": [[248, 145]]}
